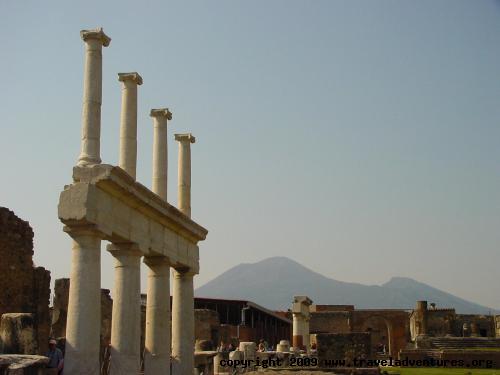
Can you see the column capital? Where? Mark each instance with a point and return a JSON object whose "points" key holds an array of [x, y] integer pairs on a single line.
{"points": [[132, 76], [186, 137], [124, 248], [82, 230], [184, 271], [154, 261], [161, 112], [96, 34]]}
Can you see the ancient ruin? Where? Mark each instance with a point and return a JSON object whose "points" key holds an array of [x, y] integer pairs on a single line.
{"points": [[125, 332], [301, 316], [24, 289], [105, 202]]}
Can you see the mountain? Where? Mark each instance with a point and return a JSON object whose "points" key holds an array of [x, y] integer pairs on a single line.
{"points": [[274, 281]]}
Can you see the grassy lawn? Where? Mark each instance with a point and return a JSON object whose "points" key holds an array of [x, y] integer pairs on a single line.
{"points": [[439, 371]]}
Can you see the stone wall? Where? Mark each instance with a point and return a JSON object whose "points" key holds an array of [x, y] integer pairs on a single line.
{"points": [[60, 311], [206, 326], [330, 322], [484, 325], [389, 328], [446, 322], [342, 346], [23, 288], [497, 326]]}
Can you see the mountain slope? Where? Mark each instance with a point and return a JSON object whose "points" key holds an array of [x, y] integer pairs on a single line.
{"points": [[274, 281]]}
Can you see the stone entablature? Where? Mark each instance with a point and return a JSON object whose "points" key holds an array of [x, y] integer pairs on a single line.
{"points": [[120, 209]]}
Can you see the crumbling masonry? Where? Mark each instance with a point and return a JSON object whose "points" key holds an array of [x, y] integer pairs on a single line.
{"points": [[23, 287]]}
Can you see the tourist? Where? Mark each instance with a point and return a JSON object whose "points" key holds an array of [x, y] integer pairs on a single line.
{"points": [[262, 346], [56, 360]]}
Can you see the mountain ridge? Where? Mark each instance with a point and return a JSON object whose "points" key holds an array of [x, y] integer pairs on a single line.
{"points": [[272, 282]]}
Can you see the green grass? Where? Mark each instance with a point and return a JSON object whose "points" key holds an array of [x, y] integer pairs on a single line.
{"points": [[439, 371]]}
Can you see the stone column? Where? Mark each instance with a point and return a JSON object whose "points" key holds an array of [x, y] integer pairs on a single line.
{"points": [[157, 355], [83, 325], [126, 319], [183, 322], [160, 155], [184, 172], [128, 122], [92, 96], [297, 329], [306, 335], [422, 317]]}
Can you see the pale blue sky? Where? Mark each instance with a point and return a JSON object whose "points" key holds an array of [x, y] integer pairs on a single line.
{"points": [[360, 138]]}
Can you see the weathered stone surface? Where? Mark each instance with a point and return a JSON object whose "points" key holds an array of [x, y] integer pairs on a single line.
{"points": [[342, 346], [17, 333], [19, 364], [22, 288], [60, 312], [206, 326]]}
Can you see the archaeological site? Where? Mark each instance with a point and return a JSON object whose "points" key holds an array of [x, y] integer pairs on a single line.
{"points": [[161, 328]]}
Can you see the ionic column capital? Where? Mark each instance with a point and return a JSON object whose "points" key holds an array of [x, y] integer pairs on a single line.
{"points": [[161, 112], [133, 77], [95, 34], [187, 137]]}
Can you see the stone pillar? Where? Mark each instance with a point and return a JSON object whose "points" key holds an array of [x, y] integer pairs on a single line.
{"points": [[126, 319], [128, 122], [422, 317], [183, 322], [306, 334], [158, 344], [92, 96], [297, 329], [160, 154], [184, 172], [83, 325], [301, 314]]}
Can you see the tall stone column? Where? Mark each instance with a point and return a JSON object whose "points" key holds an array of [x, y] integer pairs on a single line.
{"points": [[298, 331], [160, 154], [83, 325], [183, 322], [128, 122], [184, 172], [126, 319], [158, 343], [92, 96]]}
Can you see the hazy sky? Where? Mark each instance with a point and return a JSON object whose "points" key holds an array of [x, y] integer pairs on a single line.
{"points": [[360, 138]]}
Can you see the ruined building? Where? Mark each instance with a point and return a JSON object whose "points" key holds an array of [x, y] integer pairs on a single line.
{"points": [[24, 288]]}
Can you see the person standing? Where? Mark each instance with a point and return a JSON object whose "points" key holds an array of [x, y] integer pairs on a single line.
{"points": [[56, 360]]}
